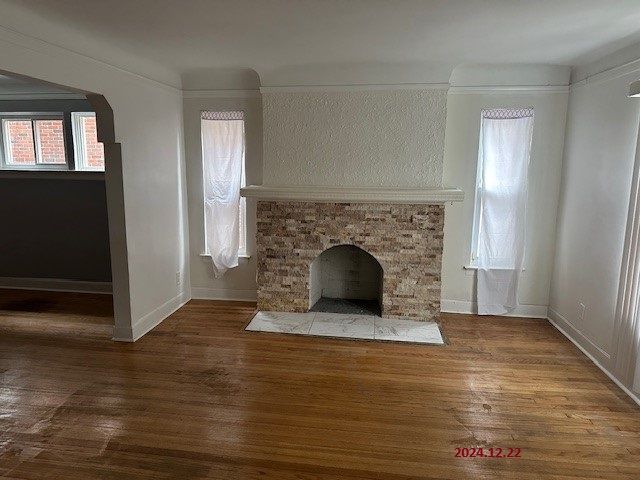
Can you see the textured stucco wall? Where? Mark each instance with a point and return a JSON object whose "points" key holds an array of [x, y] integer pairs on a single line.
{"points": [[355, 138]]}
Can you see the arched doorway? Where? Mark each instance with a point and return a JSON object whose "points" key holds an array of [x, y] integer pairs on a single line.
{"points": [[346, 279], [82, 219]]}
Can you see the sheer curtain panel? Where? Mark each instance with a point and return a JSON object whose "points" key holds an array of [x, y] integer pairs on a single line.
{"points": [[503, 162], [222, 165]]}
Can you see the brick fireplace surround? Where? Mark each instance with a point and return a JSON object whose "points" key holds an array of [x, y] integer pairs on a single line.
{"points": [[406, 239]]}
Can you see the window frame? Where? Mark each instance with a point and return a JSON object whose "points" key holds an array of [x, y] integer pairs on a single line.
{"points": [[79, 145], [477, 214], [242, 211], [33, 117]]}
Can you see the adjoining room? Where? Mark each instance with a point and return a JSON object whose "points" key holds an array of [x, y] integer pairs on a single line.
{"points": [[54, 208]]}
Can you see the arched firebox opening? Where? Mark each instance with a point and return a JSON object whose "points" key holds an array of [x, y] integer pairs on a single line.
{"points": [[346, 279]]}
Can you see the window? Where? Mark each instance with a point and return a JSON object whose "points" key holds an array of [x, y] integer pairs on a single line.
{"points": [[33, 141], [39, 141], [501, 188], [223, 166], [89, 153]]}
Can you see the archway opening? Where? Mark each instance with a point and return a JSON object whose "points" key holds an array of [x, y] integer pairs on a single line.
{"points": [[346, 279], [63, 169]]}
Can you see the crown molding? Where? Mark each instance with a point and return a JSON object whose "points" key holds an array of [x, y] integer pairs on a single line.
{"points": [[39, 45], [609, 74], [323, 194], [509, 89], [353, 88], [221, 93]]}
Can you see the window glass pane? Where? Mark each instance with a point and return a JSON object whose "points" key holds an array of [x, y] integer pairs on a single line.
{"points": [[93, 150], [50, 135], [19, 137]]}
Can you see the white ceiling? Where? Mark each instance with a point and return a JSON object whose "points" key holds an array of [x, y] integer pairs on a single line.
{"points": [[285, 35]]}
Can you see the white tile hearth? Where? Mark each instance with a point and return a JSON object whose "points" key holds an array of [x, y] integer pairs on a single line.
{"points": [[342, 325], [282, 322], [407, 331]]}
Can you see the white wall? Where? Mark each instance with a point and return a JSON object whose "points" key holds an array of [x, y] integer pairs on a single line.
{"points": [[602, 128], [461, 154], [148, 124], [354, 138], [238, 283]]}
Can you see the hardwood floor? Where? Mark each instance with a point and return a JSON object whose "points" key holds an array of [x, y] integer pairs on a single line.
{"points": [[200, 398]]}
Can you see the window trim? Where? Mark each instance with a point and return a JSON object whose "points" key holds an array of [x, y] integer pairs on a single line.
{"points": [[33, 117], [79, 145]]}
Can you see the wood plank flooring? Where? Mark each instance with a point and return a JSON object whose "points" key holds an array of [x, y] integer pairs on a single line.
{"points": [[198, 398]]}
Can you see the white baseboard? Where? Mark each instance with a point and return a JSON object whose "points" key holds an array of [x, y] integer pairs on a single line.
{"points": [[462, 306], [576, 335], [152, 319], [55, 285], [203, 293], [591, 357]]}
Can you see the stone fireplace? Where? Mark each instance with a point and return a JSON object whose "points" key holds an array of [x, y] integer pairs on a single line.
{"points": [[405, 239], [379, 153]]}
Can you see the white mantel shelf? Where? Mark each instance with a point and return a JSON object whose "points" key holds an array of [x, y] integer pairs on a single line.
{"points": [[353, 194]]}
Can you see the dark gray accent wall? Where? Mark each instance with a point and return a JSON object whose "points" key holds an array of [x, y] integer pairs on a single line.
{"points": [[54, 229]]}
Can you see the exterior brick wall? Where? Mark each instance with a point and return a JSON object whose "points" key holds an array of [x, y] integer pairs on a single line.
{"points": [[94, 149], [405, 239], [20, 135], [51, 136]]}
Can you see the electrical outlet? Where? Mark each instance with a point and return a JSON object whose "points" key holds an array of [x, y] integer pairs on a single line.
{"points": [[178, 279], [581, 310]]}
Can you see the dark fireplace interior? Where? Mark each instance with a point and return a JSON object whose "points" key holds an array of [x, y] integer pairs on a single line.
{"points": [[346, 279]]}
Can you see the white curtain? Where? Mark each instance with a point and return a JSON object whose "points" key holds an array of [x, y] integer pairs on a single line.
{"points": [[222, 159], [503, 161]]}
